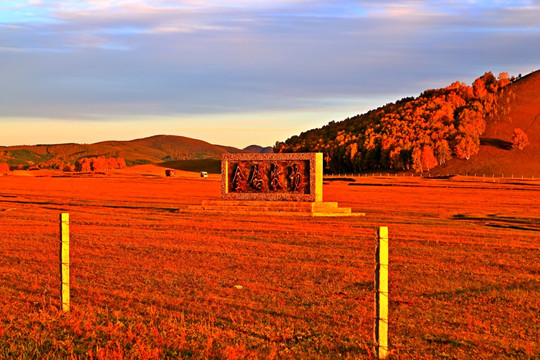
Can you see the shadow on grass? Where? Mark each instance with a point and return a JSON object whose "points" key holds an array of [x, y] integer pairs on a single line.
{"points": [[452, 294], [504, 222], [498, 143], [339, 179]]}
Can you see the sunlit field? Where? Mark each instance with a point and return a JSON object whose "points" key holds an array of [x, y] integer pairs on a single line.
{"points": [[151, 279]]}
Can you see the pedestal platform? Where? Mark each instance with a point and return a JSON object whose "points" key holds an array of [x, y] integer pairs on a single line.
{"points": [[290, 208]]}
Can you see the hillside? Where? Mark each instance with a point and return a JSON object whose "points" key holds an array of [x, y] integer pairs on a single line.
{"points": [[210, 165], [456, 129], [496, 156], [155, 149]]}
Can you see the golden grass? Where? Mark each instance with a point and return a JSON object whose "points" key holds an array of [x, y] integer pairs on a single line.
{"points": [[151, 279]]}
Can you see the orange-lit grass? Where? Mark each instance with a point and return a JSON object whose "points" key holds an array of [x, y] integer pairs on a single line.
{"points": [[153, 280]]}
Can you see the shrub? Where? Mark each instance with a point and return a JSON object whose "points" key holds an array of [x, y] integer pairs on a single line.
{"points": [[4, 168], [520, 139]]}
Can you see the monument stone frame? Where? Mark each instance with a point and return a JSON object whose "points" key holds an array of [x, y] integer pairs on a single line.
{"points": [[272, 177]]}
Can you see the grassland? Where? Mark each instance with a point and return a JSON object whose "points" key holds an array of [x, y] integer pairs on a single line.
{"points": [[151, 279]]}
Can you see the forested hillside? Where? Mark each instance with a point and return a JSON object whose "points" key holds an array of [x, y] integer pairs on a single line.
{"points": [[413, 133]]}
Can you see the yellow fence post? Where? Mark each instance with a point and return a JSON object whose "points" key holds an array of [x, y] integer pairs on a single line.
{"points": [[381, 293], [64, 261]]}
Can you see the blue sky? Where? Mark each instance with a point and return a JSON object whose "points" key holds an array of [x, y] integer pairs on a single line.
{"points": [[239, 72]]}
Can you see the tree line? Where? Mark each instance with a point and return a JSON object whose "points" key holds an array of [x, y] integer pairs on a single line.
{"points": [[90, 164]]}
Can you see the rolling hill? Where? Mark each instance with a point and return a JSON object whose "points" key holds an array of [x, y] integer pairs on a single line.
{"points": [[259, 149], [458, 129], [154, 149]]}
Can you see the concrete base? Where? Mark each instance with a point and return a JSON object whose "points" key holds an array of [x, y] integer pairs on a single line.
{"points": [[275, 208]]}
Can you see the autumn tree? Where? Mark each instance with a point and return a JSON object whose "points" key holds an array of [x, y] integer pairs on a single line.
{"points": [[479, 88], [100, 163], [68, 168], [121, 163], [51, 164], [4, 168], [416, 160], [442, 151], [423, 159], [520, 139], [83, 165], [466, 146], [471, 121], [427, 158], [503, 79]]}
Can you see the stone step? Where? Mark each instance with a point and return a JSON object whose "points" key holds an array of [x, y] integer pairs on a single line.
{"points": [[272, 204], [268, 209], [274, 208], [251, 212], [280, 213], [337, 214]]}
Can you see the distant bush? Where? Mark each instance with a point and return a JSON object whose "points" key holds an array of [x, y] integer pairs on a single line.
{"points": [[99, 163], [52, 164], [68, 168], [4, 168]]}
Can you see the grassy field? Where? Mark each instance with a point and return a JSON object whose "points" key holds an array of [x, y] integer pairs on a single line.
{"points": [[151, 279]]}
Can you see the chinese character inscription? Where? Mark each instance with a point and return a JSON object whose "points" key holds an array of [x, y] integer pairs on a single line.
{"points": [[267, 176]]}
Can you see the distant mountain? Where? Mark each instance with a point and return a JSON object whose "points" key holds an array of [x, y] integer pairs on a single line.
{"points": [[259, 149], [457, 129], [154, 149]]}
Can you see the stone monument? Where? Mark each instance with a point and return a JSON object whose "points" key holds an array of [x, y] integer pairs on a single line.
{"points": [[276, 184], [272, 177]]}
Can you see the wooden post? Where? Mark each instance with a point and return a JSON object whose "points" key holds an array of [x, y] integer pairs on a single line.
{"points": [[381, 293], [64, 261]]}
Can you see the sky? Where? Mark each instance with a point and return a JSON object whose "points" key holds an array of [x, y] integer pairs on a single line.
{"points": [[239, 72]]}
